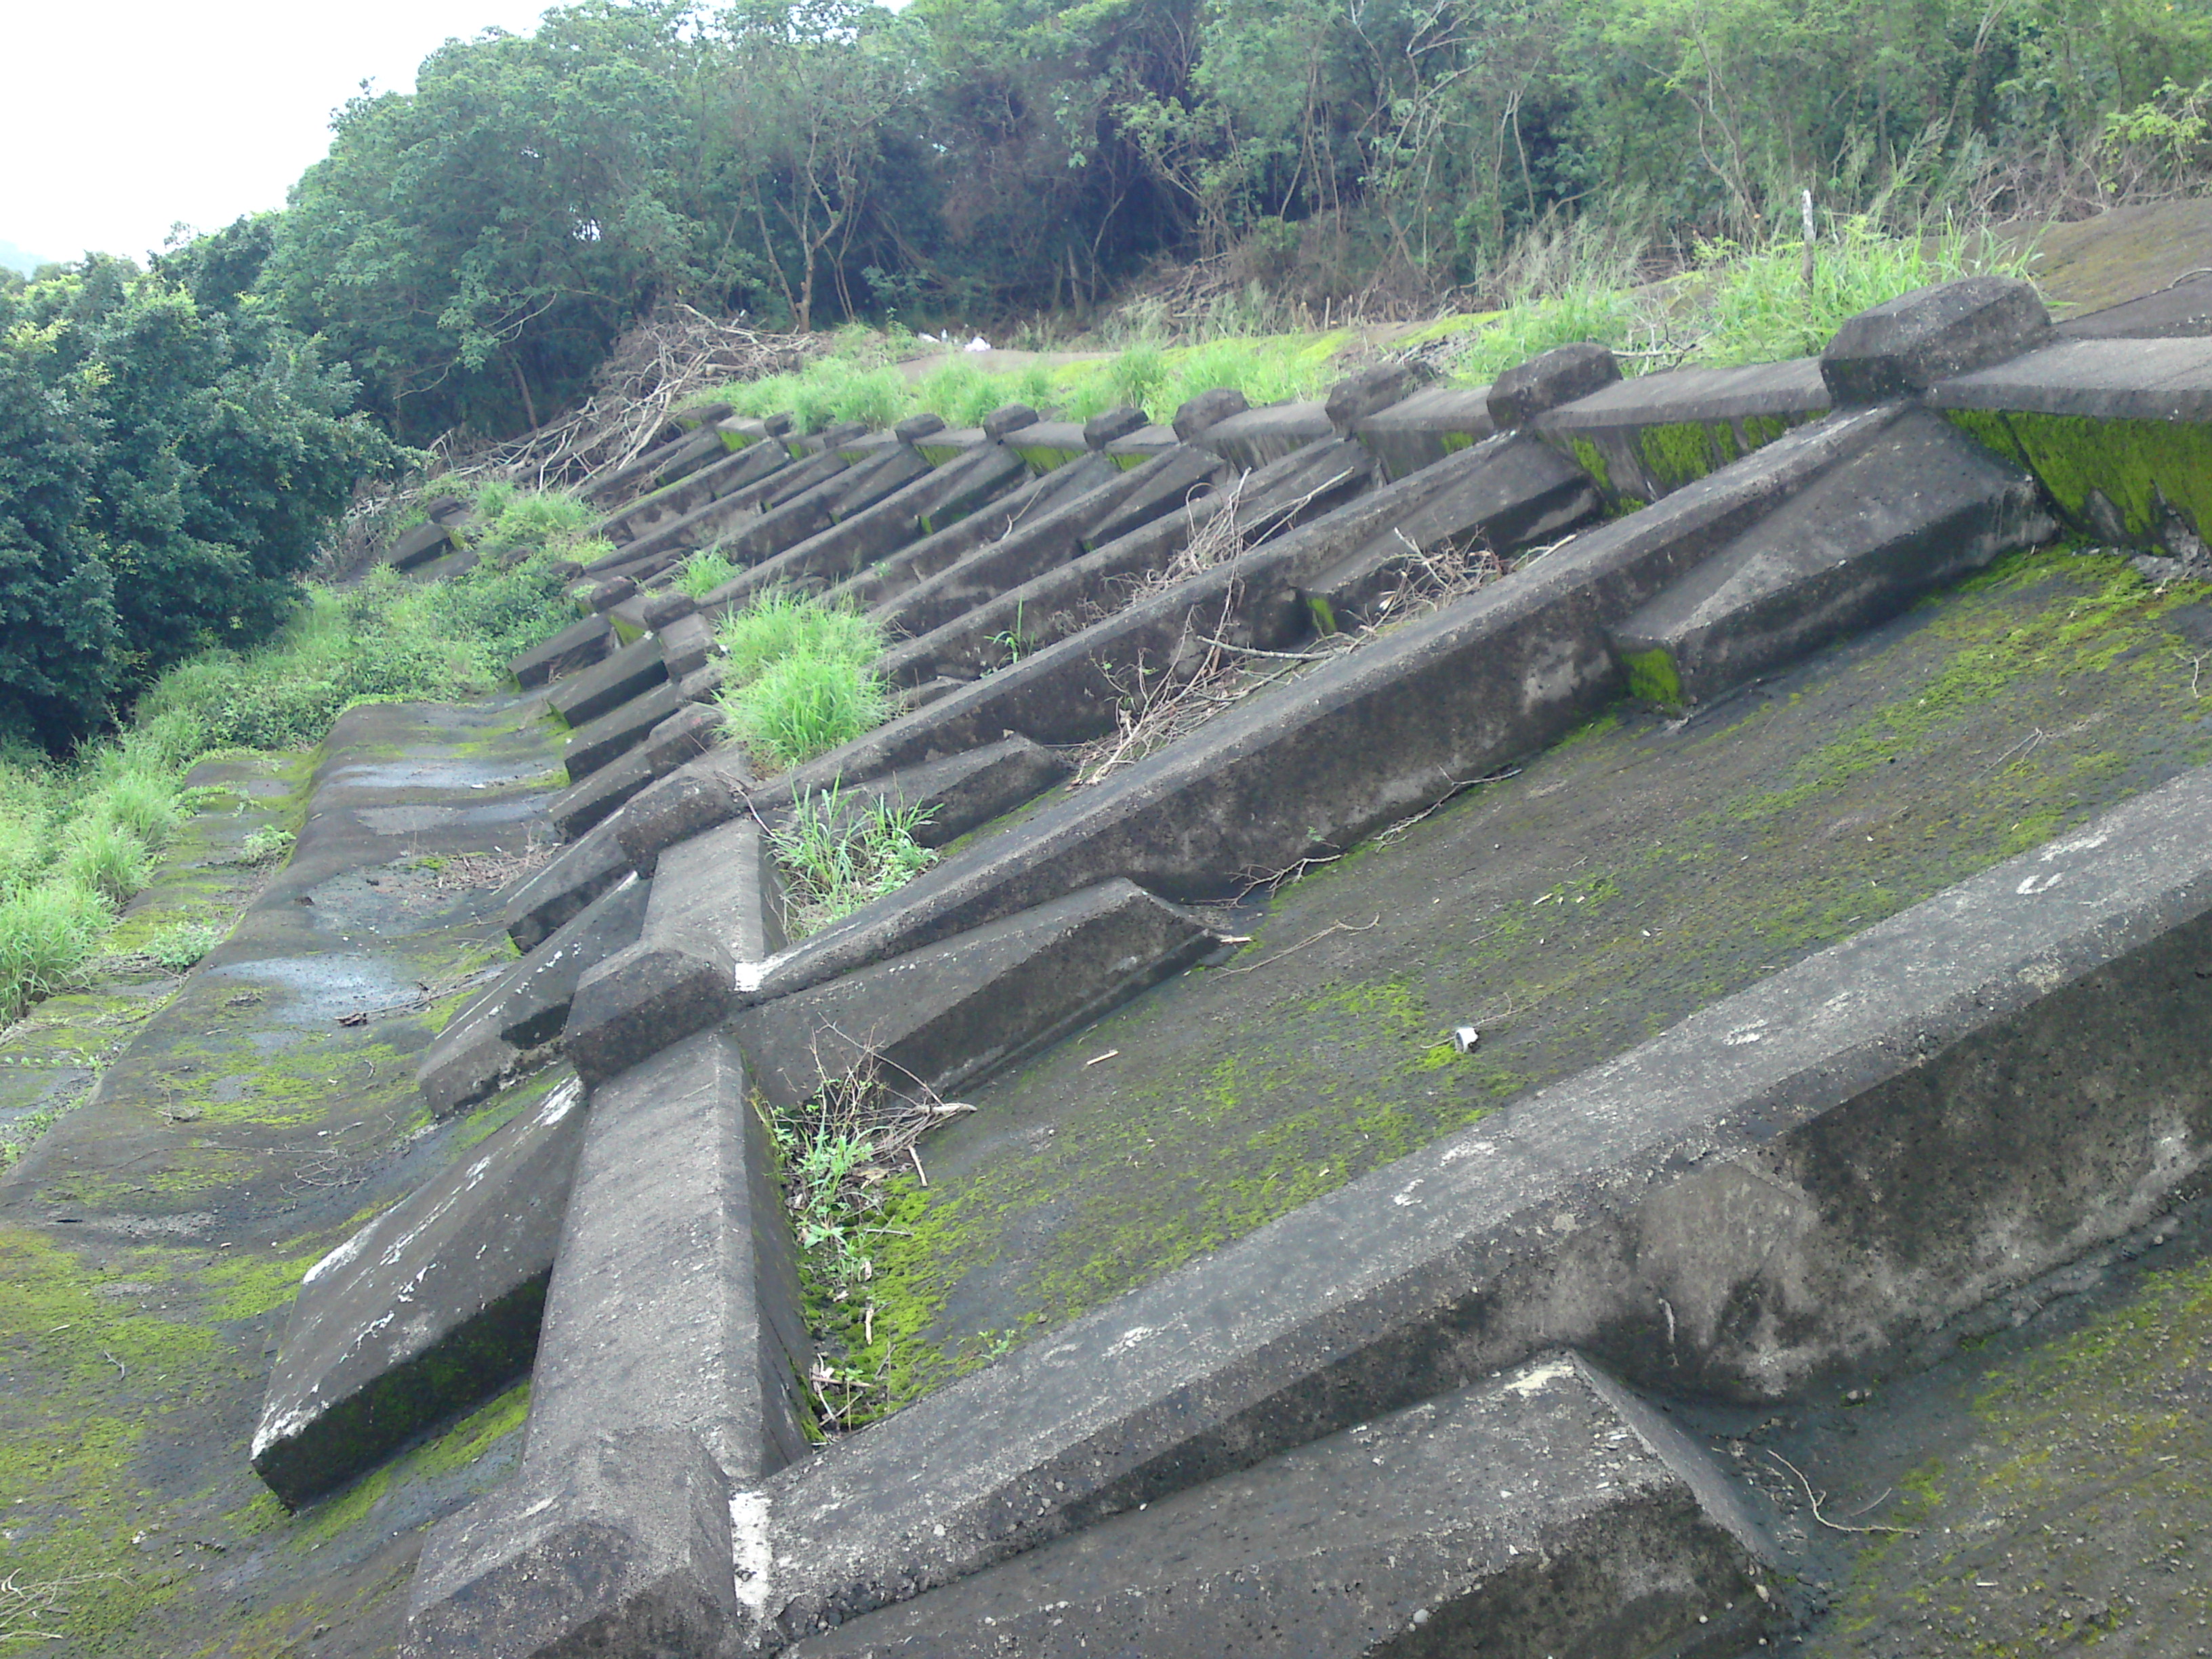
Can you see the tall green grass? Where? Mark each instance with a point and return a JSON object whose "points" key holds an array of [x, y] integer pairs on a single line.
{"points": [[800, 679], [79, 839]]}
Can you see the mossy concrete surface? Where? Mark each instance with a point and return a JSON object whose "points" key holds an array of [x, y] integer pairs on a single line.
{"points": [[1565, 912], [151, 1239], [2041, 1488], [2122, 255]]}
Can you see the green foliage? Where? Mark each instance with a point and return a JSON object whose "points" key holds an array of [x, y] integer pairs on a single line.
{"points": [[807, 706], [46, 933], [837, 859], [780, 626], [702, 572], [168, 464], [181, 945]]}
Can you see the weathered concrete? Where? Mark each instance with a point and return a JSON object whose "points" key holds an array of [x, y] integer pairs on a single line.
{"points": [[1176, 478], [687, 643], [1008, 418], [1050, 534], [1642, 438], [618, 481], [575, 647], [620, 729], [1552, 378], [2118, 432], [549, 897], [666, 1374], [431, 1309], [1547, 1511], [1208, 409], [678, 500], [1141, 445], [1425, 428], [2119, 380], [425, 542], [1524, 496], [1359, 396], [483, 1046], [2181, 309], [1258, 436], [918, 426], [605, 686], [1103, 428], [1045, 445], [944, 1015], [881, 583], [938, 498], [1059, 603], [1318, 763], [1920, 507], [665, 608], [689, 732], [698, 795], [1907, 344], [1851, 1153], [732, 508], [715, 905]]}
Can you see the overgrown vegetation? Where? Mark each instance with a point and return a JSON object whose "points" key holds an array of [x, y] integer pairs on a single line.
{"points": [[78, 837], [171, 454], [841, 1155], [800, 679], [474, 247]]}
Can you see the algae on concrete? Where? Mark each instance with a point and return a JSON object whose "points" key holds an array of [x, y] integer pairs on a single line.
{"points": [[1568, 911]]}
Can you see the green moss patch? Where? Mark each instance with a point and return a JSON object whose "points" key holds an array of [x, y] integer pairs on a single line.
{"points": [[1603, 893], [2081, 1512], [2143, 468]]}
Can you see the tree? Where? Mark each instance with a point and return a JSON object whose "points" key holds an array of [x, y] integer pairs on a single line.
{"points": [[473, 247]]}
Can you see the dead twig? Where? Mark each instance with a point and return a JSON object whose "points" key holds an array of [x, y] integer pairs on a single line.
{"points": [[1815, 1498], [1315, 939]]}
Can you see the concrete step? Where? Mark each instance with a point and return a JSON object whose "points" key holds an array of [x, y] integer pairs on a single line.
{"points": [[1547, 1510]]}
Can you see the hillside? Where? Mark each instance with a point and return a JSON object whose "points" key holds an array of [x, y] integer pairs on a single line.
{"points": [[1493, 1001]]}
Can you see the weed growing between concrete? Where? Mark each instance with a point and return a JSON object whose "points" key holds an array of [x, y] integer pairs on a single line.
{"points": [[836, 859], [843, 1156], [702, 572], [799, 680]]}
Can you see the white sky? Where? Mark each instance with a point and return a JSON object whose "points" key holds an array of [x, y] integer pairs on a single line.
{"points": [[122, 119]]}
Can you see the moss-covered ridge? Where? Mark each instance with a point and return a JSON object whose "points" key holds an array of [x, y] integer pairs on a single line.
{"points": [[1608, 889], [151, 1243]]}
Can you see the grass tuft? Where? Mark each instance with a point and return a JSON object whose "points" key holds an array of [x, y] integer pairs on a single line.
{"points": [[837, 859], [778, 626], [46, 933], [702, 572], [807, 706]]}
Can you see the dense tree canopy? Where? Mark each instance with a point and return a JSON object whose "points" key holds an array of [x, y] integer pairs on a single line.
{"points": [[170, 456], [471, 248]]}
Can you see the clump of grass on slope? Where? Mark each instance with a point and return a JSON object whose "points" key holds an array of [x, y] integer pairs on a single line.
{"points": [[1759, 308], [800, 679], [838, 859], [702, 572]]}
